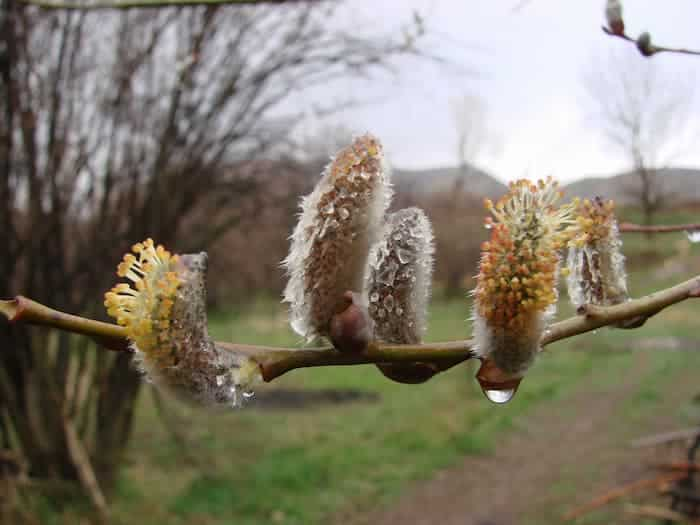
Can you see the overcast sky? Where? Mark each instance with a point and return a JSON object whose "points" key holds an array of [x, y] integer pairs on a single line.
{"points": [[529, 67]]}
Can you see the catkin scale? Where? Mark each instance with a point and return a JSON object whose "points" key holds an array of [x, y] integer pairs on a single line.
{"points": [[339, 222]]}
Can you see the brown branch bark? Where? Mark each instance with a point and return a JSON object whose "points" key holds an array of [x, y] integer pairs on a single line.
{"points": [[621, 492], [666, 437], [652, 49], [276, 361], [628, 227], [660, 513]]}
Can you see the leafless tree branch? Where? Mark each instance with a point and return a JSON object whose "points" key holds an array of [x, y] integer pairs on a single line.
{"points": [[276, 361]]}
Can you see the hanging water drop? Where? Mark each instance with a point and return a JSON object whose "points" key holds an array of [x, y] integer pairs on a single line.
{"points": [[299, 326], [405, 256], [499, 397], [220, 380]]}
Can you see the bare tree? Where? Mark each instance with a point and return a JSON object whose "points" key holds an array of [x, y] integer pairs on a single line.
{"points": [[457, 215], [121, 125], [471, 124], [643, 114]]}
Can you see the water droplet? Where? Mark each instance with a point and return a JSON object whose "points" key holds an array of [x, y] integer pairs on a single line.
{"points": [[299, 326], [488, 226], [374, 297], [343, 213], [328, 209], [389, 303], [364, 175], [248, 394], [693, 236], [405, 256], [220, 380], [499, 397]]}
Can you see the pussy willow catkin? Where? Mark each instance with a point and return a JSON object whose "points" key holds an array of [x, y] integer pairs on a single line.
{"points": [[398, 288], [164, 314], [516, 285], [597, 266], [340, 220]]}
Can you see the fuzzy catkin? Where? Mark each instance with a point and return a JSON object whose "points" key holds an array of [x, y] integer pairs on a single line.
{"points": [[398, 288], [165, 319], [516, 288], [595, 261], [339, 221]]}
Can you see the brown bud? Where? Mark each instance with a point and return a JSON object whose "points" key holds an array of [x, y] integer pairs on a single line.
{"points": [[351, 329], [644, 45]]}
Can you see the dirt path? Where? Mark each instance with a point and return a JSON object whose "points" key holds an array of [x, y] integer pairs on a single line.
{"points": [[562, 455]]}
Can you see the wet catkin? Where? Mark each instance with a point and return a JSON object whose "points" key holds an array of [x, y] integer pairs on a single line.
{"points": [[516, 288], [339, 222], [597, 266], [164, 316], [398, 288]]}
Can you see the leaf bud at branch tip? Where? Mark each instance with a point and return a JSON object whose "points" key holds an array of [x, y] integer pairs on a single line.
{"points": [[644, 45]]}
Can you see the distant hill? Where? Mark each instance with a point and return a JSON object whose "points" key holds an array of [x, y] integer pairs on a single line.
{"points": [[681, 185], [477, 182]]}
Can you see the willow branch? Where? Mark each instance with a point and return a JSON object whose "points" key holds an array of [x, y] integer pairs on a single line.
{"points": [[276, 361], [628, 227], [650, 49], [145, 4], [24, 310]]}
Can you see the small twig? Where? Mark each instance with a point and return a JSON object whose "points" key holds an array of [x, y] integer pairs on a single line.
{"points": [[666, 437], [145, 4], [650, 511], [81, 462], [650, 49], [684, 466], [628, 227], [621, 492]]}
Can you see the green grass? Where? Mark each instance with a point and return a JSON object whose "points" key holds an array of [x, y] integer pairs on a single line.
{"points": [[252, 466]]}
